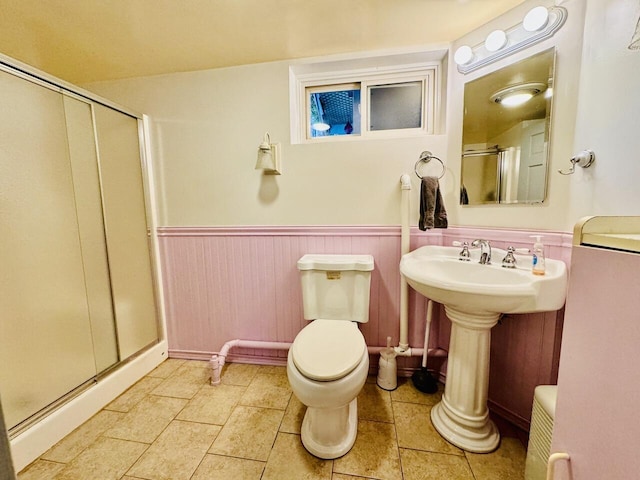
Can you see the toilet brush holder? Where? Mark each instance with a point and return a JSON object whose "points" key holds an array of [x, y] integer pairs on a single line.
{"points": [[387, 370]]}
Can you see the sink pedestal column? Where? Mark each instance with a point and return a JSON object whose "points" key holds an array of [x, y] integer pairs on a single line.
{"points": [[462, 417]]}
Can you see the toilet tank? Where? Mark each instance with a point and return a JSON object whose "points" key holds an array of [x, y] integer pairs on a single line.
{"points": [[336, 287]]}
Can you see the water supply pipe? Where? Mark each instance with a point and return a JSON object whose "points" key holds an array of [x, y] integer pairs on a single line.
{"points": [[218, 360], [405, 241]]}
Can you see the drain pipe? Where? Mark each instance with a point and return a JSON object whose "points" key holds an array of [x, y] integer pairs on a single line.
{"points": [[405, 238], [218, 360]]}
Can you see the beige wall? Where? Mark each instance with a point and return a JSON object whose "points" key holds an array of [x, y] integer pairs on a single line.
{"points": [[207, 126], [206, 130]]}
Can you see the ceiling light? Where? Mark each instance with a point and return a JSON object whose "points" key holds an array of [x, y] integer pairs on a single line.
{"points": [[495, 40], [517, 94], [516, 99], [536, 19]]}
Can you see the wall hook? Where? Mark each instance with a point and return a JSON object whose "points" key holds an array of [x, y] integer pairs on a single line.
{"points": [[584, 159]]}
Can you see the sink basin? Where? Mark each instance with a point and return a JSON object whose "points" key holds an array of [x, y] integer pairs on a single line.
{"points": [[474, 297], [437, 273]]}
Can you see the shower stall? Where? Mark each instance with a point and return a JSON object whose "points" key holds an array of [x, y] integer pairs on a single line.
{"points": [[77, 291]]}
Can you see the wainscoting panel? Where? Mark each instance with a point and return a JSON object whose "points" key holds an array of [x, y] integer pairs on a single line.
{"points": [[223, 284], [525, 351], [226, 283]]}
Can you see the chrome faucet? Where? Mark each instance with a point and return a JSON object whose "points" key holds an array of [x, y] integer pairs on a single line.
{"points": [[485, 250]]}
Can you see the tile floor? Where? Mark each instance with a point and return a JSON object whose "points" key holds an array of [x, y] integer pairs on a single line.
{"points": [[173, 425]]}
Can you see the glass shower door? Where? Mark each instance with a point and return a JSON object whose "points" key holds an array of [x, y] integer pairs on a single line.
{"points": [[89, 210], [46, 347]]}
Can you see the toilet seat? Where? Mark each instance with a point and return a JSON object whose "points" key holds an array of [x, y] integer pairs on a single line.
{"points": [[327, 350]]}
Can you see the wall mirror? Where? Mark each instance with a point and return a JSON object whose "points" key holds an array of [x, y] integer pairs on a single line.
{"points": [[506, 130]]}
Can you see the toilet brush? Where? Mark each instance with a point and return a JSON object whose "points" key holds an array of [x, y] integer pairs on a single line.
{"points": [[422, 379], [387, 368]]}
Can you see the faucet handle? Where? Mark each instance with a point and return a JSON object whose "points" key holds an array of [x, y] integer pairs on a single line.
{"points": [[509, 261], [465, 255]]}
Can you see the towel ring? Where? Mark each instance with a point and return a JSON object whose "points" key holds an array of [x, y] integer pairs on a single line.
{"points": [[425, 157]]}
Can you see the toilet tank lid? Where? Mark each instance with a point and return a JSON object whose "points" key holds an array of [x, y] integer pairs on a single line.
{"points": [[338, 262]]}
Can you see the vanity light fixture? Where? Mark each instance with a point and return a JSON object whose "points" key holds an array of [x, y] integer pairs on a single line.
{"points": [[539, 24], [269, 156], [517, 95]]}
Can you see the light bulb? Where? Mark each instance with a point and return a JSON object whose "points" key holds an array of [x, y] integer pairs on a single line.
{"points": [[516, 99], [495, 40], [463, 55], [536, 19]]}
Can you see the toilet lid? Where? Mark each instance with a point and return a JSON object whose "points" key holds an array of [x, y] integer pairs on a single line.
{"points": [[327, 350]]}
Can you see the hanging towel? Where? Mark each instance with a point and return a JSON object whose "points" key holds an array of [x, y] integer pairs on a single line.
{"points": [[432, 211]]}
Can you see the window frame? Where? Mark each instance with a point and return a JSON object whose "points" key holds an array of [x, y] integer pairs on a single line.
{"points": [[301, 82]]}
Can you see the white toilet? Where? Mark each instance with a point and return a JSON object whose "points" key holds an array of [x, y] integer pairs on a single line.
{"points": [[328, 362]]}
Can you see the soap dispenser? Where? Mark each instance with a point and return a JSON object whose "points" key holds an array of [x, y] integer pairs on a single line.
{"points": [[537, 265]]}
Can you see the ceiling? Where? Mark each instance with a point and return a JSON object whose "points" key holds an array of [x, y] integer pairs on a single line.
{"points": [[84, 41]]}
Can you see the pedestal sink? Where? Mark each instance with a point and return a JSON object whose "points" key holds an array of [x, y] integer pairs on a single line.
{"points": [[475, 296]]}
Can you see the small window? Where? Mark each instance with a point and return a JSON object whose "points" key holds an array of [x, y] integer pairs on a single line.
{"points": [[378, 97]]}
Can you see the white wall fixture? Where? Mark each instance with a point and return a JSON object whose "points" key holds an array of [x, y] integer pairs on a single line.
{"points": [[269, 157], [539, 24], [583, 159]]}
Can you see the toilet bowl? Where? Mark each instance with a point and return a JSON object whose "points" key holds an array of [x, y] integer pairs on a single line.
{"points": [[327, 367], [328, 361]]}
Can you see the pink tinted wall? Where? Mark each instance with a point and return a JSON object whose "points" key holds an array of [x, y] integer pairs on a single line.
{"points": [[225, 283], [597, 418]]}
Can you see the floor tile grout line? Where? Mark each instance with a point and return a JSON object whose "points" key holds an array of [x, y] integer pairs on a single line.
{"points": [[258, 371], [139, 457], [204, 456]]}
